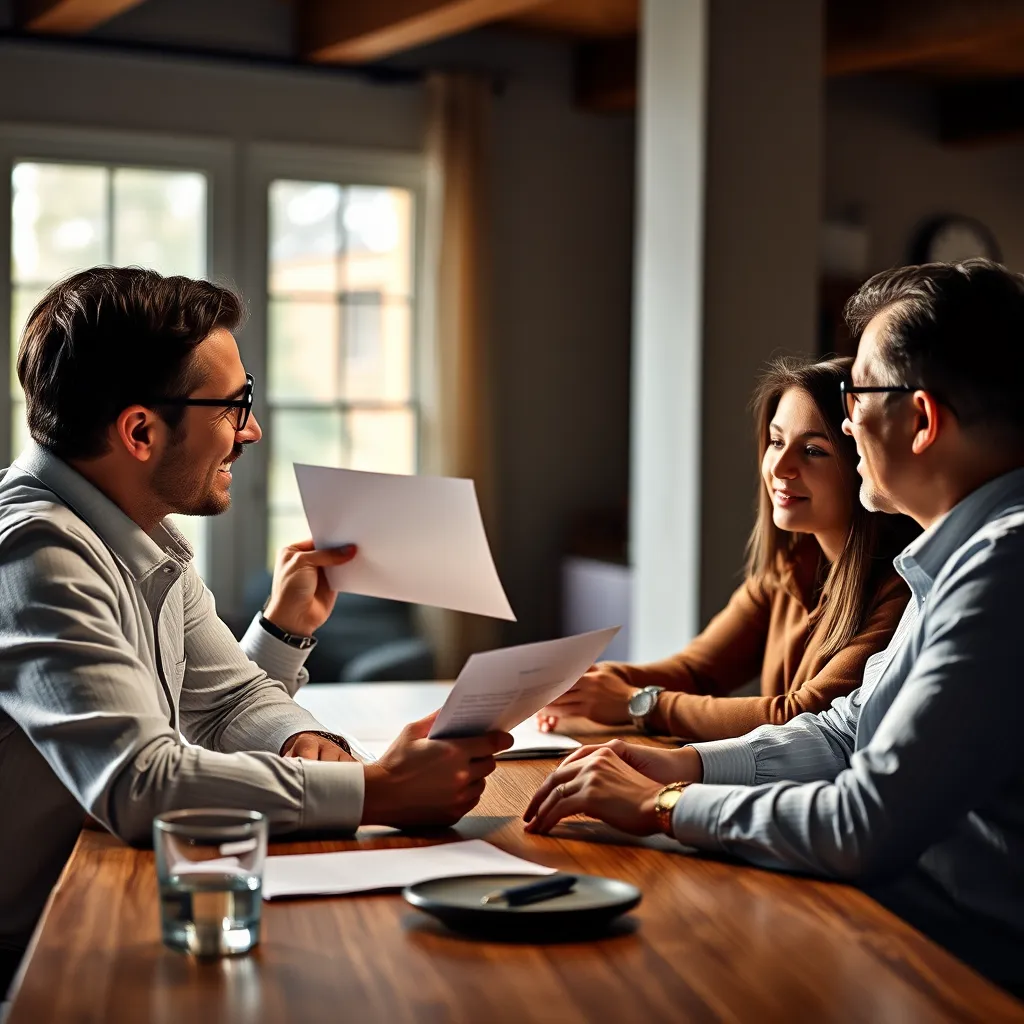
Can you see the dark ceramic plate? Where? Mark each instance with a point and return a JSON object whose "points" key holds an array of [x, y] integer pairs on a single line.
{"points": [[591, 906]]}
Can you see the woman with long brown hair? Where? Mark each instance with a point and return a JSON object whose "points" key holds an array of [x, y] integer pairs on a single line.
{"points": [[820, 596]]}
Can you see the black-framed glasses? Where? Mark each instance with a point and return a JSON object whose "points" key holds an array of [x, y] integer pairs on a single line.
{"points": [[849, 393], [243, 404]]}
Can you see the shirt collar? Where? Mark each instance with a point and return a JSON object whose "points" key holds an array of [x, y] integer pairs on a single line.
{"points": [[921, 560], [140, 553]]}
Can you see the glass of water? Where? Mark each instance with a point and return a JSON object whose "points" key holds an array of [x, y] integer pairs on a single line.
{"points": [[209, 866]]}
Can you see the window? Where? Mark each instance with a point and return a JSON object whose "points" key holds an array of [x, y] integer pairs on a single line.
{"points": [[68, 216], [340, 354]]}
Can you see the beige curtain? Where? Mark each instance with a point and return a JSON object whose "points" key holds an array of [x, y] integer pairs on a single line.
{"points": [[458, 432]]}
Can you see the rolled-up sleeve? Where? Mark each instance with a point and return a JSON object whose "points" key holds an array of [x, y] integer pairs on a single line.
{"points": [[88, 703]]}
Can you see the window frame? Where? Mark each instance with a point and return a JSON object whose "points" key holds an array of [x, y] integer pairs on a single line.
{"points": [[108, 147], [265, 163], [238, 180]]}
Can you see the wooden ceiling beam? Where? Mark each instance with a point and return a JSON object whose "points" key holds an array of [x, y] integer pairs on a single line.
{"points": [[873, 35], [606, 75], [356, 31], [974, 113], [67, 17]]}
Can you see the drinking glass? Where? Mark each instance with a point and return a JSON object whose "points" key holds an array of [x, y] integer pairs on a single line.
{"points": [[209, 865]]}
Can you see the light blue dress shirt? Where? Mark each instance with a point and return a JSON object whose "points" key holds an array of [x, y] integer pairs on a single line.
{"points": [[921, 769]]}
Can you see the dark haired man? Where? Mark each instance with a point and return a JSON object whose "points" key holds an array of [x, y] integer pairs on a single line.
{"points": [[110, 646], [913, 785]]}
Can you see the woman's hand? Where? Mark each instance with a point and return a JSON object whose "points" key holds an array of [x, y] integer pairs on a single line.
{"points": [[601, 785], [600, 695]]}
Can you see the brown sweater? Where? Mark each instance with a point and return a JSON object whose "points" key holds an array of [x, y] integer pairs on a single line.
{"points": [[764, 629]]}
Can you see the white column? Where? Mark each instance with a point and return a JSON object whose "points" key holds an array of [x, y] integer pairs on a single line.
{"points": [[728, 209], [667, 327]]}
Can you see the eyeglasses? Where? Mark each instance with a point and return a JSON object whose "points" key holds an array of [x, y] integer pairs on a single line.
{"points": [[849, 394], [243, 404]]}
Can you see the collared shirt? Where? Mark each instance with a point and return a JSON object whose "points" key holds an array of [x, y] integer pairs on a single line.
{"points": [[111, 657], [922, 767]]}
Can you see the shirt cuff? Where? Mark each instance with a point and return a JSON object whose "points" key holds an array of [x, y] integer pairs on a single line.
{"points": [[727, 761], [279, 660], [696, 813], [332, 795]]}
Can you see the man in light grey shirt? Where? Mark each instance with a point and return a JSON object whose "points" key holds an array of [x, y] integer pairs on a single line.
{"points": [[111, 652], [913, 785]]}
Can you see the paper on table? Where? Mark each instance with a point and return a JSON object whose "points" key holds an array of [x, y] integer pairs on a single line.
{"points": [[334, 874], [499, 689], [420, 538], [531, 742]]}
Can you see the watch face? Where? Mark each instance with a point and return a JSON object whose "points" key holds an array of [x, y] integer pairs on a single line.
{"points": [[641, 703]]}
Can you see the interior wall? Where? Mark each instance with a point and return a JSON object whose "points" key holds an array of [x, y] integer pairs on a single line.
{"points": [[885, 169], [561, 244], [764, 125]]}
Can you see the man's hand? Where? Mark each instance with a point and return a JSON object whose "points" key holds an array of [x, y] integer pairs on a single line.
{"points": [[600, 695], [314, 748], [601, 785], [301, 599], [421, 782], [660, 764], [615, 782]]}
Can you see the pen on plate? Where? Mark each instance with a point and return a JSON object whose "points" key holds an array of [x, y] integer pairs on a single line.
{"points": [[532, 892]]}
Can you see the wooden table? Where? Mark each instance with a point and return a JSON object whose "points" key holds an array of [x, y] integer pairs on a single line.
{"points": [[710, 941]]}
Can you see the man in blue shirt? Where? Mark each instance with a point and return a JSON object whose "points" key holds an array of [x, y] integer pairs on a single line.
{"points": [[913, 785]]}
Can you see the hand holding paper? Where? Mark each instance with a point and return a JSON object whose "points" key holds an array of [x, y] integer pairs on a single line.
{"points": [[499, 689], [420, 538]]}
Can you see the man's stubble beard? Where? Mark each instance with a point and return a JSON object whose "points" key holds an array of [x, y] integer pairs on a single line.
{"points": [[177, 487]]}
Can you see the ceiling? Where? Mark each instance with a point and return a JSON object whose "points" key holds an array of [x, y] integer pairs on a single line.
{"points": [[974, 44]]}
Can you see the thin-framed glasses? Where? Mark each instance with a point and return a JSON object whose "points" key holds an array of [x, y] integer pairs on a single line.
{"points": [[849, 393], [243, 404]]}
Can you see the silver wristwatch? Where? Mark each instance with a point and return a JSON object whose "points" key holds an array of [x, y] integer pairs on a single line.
{"points": [[641, 704]]}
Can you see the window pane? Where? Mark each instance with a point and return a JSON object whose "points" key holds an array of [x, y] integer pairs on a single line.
{"points": [[377, 244], [160, 220], [304, 240], [315, 437], [23, 301], [303, 356], [377, 349], [285, 527], [58, 220], [19, 426], [382, 441], [194, 528]]}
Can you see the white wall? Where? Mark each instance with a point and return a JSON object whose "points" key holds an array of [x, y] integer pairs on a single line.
{"points": [[882, 161], [562, 224]]}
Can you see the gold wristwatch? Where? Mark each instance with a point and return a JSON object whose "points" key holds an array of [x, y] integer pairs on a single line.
{"points": [[665, 802]]}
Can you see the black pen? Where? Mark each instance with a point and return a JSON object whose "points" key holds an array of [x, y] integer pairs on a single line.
{"points": [[532, 892]]}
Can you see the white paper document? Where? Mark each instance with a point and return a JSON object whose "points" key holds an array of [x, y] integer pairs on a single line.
{"points": [[335, 874], [531, 742], [370, 717], [420, 538], [499, 689]]}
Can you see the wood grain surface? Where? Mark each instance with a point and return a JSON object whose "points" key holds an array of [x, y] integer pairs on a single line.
{"points": [[711, 941]]}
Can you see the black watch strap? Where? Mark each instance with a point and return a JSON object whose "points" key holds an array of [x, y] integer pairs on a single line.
{"points": [[302, 643]]}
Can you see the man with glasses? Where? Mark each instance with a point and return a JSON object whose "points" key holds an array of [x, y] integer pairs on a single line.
{"points": [[111, 652], [913, 785]]}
